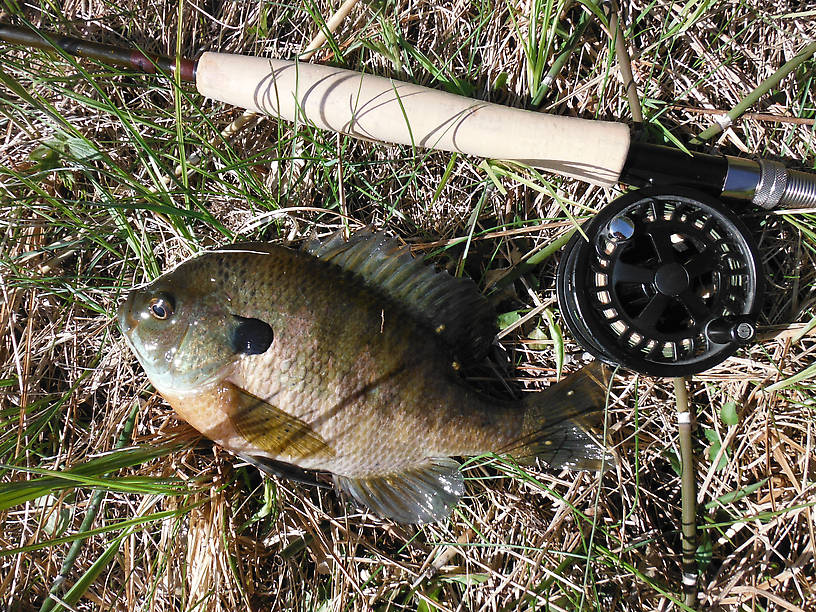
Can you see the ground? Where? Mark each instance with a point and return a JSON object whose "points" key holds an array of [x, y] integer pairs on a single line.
{"points": [[108, 177]]}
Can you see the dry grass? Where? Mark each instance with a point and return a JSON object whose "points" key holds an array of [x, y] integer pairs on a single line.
{"points": [[99, 220]]}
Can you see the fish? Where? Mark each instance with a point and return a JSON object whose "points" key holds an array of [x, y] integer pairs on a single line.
{"points": [[345, 356]]}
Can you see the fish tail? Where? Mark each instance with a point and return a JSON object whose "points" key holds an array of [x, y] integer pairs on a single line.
{"points": [[558, 420]]}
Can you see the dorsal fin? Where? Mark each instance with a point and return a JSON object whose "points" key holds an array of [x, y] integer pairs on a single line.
{"points": [[453, 307]]}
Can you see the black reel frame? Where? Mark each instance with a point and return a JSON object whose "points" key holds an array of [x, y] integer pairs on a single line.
{"points": [[667, 282]]}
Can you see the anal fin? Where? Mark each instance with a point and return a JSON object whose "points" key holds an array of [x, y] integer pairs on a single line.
{"points": [[423, 494]]}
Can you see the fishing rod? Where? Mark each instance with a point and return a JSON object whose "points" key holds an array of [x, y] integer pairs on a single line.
{"points": [[669, 283], [381, 109]]}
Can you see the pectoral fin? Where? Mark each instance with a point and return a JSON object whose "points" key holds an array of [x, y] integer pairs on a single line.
{"points": [[423, 494], [273, 430]]}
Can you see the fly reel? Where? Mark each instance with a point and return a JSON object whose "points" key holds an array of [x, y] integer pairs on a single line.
{"points": [[668, 284]]}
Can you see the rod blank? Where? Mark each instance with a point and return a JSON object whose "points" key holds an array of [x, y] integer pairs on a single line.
{"points": [[107, 54]]}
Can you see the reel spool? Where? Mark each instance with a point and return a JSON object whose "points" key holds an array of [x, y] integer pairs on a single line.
{"points": [[669, 284]]}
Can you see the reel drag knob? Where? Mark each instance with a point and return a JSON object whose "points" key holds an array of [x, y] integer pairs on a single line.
{"points": [[669, 284]]}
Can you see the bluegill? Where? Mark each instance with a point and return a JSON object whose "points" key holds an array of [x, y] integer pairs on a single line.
{"points": [[344, 357]]}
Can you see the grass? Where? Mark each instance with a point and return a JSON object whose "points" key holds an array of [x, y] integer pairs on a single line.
{"points": [[90, 206]]}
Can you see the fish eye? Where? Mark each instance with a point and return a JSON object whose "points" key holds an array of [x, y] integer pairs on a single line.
{"points": [[161, 306]]}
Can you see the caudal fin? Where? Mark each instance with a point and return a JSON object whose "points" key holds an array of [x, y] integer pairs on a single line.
{"points": [[557, 423]]}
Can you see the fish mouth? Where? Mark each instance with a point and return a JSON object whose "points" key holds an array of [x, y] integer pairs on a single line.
{"points": [[127, 323], [124, 315]]}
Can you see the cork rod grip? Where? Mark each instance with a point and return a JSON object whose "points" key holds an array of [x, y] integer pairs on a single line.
{"points": [[381, 109]]}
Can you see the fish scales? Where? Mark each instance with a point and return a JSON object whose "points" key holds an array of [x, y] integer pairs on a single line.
{"points": [[347, 378], [389, 405]]}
